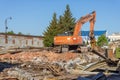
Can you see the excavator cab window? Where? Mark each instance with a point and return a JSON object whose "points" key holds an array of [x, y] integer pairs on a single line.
{"points": [[67, 33]]}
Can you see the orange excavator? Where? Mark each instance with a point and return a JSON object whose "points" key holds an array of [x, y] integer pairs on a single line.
{"points": [[73, 42]]}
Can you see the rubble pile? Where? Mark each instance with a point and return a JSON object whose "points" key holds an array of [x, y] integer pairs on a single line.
{"points": [[46, 56], [45, 65], [41, 64]]}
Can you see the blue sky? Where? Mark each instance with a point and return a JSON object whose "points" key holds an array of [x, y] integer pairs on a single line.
{"points": [[33, 16]]}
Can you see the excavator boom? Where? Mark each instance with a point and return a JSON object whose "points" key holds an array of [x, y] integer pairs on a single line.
{"points": [[89, 17]]}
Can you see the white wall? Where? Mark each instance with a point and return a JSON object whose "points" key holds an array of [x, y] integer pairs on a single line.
{"points": [[21, 41], [114, 37]]}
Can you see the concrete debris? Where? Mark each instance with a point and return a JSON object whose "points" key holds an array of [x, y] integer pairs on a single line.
{"points": [[45, 65]]}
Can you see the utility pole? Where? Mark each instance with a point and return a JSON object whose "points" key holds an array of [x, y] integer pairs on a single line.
{"points": [[6, 27]]}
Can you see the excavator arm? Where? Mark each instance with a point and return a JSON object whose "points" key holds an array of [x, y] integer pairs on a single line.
{"points": [[89, 17]]}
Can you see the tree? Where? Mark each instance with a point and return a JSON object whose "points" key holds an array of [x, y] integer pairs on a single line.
{"points": [[102, 40], [50, 32], [66, 22], [20, 33], [10, 32]]}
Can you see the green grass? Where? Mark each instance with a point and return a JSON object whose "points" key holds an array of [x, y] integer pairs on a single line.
{"points": [[117, 52]]}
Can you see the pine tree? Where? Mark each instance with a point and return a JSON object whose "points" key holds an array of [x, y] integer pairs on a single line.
{"points": [[60, 27], [66, 22], [50, 32]]}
